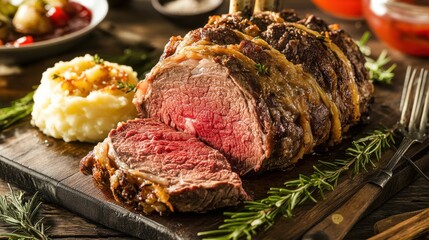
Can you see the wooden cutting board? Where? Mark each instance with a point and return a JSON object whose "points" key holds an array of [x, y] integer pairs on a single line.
{"points": [[36, 162], [409, 225]]}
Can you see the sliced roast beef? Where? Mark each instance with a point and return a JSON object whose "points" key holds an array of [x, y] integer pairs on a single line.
{"points": [[219, 94], [263, 95], [262, 91], [204, 100], [150, 166]]}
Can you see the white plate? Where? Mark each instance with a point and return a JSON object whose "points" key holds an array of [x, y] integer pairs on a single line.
{"points": [[27, 53]]}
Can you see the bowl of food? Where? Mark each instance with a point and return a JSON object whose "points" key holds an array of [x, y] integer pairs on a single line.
{"points": [[188, 13], [36, 29], [347, 9], [401, 24]]}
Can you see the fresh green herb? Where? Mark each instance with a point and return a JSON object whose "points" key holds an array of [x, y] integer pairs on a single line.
{"points": [[365, 148], [262, 69], [126, 86], [21, 215], [260, 215], [362, 44], [98, 59], [378, 72], [19, 109]]}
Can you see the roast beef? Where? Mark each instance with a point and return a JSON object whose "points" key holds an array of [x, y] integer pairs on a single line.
{"points": [[262, 95], [150, 166], [239, 95]]}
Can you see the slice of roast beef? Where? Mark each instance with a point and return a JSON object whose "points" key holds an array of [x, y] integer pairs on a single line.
{"points": [[150, 166], [199, 96]]}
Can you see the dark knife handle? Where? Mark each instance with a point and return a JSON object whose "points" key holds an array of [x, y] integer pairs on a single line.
{"points": [[339, 223]]}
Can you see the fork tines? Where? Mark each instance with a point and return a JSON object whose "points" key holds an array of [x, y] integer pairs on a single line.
{"points": [[415, 100]]}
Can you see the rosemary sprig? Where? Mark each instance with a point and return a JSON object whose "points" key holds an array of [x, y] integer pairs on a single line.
{"points": [[377, 68], [16, 111], [21, 215], [260, 215]]}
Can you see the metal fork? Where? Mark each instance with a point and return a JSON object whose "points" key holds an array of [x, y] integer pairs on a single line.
{"points": [[410, 74], [413, 125], [413, 121]]}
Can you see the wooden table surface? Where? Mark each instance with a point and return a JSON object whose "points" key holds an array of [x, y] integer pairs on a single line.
{"points": [[139, 17]]}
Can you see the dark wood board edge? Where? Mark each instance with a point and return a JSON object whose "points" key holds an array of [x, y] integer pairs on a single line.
{"points": [[28, 179], [111, 215], [114, 215], [103, 212]]}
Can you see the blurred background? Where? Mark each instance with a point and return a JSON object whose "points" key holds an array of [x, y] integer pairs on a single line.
{"points": [[402, 25]]}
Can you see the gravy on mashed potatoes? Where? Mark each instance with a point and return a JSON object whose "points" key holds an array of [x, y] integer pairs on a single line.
{"points": [[83, 99]]}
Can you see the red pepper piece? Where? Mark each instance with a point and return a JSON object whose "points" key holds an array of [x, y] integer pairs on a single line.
{"points": [[23, 41], [58, 16]]}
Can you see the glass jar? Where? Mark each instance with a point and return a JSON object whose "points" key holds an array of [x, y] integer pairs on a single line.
{"points": [[401, 24], [347, 9]]}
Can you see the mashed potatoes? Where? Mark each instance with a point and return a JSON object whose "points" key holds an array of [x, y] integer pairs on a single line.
{"points": [[83, 99]]}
